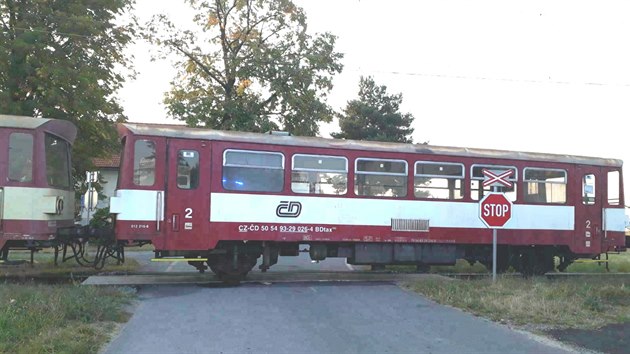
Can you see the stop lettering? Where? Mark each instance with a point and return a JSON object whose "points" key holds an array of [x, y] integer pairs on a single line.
{"points": [[495, 210]]}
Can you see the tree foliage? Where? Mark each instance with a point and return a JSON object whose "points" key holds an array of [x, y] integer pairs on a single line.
{"points": [[249, 65], [375, 116], [63, 59]]}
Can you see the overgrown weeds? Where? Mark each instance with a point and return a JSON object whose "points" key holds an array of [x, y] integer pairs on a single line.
{"points": [[569, 303], [44, 265], [618, 263], [59, 318]]}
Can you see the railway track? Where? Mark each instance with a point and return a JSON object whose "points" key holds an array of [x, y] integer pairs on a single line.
{"points": [[161, 278]]}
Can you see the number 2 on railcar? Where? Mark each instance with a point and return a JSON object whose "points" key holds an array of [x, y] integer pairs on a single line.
{"points": [[228, 198]]}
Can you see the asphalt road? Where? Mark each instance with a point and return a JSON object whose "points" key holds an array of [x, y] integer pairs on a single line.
{"points": [[299, 263], [308, 318]]}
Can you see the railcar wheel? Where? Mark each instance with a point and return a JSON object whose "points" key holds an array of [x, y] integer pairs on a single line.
{"points": [[423, 268], [223, 266], [534, 261], [544, 262], [502, 266], [503, 262]]}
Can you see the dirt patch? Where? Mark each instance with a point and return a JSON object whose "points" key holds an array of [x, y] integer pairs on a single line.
{"points": [[611, 339]]}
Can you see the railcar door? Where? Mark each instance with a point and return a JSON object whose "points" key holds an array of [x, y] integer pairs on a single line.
{"points": [[588, 210], [187, 194]]}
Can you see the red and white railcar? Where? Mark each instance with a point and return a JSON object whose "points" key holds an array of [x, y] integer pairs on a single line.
{"points": [[230, 197], [36, 189]]}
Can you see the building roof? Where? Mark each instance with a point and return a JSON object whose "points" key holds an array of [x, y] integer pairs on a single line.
{"points": [[112, 161], [183, 132]]}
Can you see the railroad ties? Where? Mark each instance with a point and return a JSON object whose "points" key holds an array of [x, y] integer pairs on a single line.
{"points": [[264, 278]]}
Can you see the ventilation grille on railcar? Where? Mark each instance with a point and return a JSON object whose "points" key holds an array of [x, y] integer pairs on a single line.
{"points": [[410, 225]]}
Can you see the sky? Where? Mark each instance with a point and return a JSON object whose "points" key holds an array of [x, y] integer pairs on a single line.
{"points": [[542, 76]]}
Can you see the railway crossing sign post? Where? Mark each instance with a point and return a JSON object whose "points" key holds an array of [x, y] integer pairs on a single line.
{"points": [[495, 210]]}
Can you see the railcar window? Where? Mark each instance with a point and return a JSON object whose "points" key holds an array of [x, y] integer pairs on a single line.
{"points": [[144, 163], [20, 157], [477, 191], [380, 178], [545, 185], [588, 189], [254, 171], [439, 180], [316, 174], [613, 188], [187, 169], [57, 161]]}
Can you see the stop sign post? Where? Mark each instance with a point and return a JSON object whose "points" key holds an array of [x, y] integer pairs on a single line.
{"points": [[495, 210]]}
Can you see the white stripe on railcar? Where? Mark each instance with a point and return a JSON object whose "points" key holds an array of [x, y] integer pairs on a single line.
{"points": [[615, 219], [137, 205], [25, 203], [229, 207]]}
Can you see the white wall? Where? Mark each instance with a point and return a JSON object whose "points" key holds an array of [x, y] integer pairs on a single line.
{"points": [[110, 178]]}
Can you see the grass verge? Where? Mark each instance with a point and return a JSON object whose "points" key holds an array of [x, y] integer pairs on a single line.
{"points": [[59, 318], [44, 265], [619, 263], [536, 302]]}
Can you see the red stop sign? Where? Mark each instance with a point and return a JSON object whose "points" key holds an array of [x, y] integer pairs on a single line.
{"points": [[495, 210]]}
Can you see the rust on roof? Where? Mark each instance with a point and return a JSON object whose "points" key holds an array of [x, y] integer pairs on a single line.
{"points": [[107, 162]]}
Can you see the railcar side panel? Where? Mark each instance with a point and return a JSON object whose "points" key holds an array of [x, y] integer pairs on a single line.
{"points": [[341, 218]]}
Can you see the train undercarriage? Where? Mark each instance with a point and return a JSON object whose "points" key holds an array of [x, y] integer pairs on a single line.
{"points": [[232, 260]]}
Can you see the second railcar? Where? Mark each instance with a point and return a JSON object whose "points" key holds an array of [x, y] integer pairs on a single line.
{"points": [[227, 198], [36, 189]]}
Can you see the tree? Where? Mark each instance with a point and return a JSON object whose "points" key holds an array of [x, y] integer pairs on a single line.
{"points": [[251, 66], [61, 59], [375, 116]]}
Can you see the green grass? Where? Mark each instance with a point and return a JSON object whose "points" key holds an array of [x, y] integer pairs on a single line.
{"points": [[618, 263], [461, 266], [571, 303], [59, 318], [44, 265]]}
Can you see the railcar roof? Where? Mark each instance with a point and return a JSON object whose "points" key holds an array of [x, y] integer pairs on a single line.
{"points": [[21, 122], [59, 127], [183, 132]]}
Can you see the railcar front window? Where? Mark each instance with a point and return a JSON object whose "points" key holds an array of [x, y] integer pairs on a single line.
{"points": [[57, 161], [253, 171], [477, 190], [613, 188], [545, 185], [439, 180], [144, 163], [20, 157], [380, 178], [315, 174], [187, 169]]}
